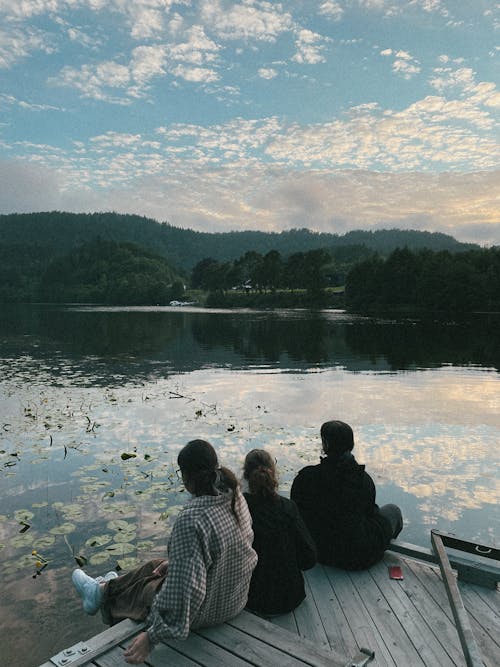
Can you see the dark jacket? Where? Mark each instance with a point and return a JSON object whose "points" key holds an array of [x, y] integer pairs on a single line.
{"points": [[337, 502], [284, 548]]}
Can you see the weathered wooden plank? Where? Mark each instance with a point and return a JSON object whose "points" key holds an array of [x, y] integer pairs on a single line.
{"points": [[432, 581], [349, 610], [358, 617], [486, 618], [330, 609], [255, 652], [490, 597], [439, 623], [389, 625], [206, 653], [287, 643], [104, 641], [309, 621], [416, 628], [112, 658], [469, 645], [286, 621], [165, 656], [477, 607]]}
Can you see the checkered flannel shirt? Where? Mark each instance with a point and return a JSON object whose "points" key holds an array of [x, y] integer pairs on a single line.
{"points": [[209, 570]]}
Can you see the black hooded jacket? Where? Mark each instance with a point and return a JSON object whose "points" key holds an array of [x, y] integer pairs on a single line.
{"points": [[337, 502], [284, 548]]}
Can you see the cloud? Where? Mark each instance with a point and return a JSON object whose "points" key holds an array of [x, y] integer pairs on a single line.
{"points": [[17, 43], [331, 9], [10, 100], [215, 178], [309, 48], [261, 21], [92, 80], [267, 73], [195, 74], [185, 59], [403, 64], [146, 63], [390, 8], [84, 39], [196, 48], [26, 186]]}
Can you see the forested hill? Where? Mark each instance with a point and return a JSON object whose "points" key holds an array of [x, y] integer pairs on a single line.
{"points": [[56, 233]]}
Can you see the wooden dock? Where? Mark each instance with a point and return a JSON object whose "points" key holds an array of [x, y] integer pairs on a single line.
{"points": [[407, 623]]}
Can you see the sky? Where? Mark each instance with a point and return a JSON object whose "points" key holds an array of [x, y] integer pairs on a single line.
{"points": [[214, 115]]}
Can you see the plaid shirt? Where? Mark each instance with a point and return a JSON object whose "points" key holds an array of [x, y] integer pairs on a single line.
{"points": [[210, 564]]}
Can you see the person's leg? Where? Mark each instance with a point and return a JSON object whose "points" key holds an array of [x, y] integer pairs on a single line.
{"points": [[393, 514], [131, 595], [90, 591]]}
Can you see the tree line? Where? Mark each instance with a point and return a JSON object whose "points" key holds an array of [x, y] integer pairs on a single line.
{"points": [[312, 270], [67, 260], [59, 232], [109, 272], [426, 280]]}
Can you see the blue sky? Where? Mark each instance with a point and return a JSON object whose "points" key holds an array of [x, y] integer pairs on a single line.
{"points": [[216, 115]]}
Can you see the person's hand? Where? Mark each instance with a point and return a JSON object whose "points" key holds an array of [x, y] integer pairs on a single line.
{"points": [[138, 650], [161, 569]]}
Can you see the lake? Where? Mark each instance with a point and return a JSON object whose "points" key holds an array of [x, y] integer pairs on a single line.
{"points": [[95, 403]]}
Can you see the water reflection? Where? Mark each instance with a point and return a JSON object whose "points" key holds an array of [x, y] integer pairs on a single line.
{"points": [[81, 387], [103, 345]]}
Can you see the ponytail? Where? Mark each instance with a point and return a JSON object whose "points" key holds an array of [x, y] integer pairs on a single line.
{"points": [[229, 480], [198, 461], [260, 472]]}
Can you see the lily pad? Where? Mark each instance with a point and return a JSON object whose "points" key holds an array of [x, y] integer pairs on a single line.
{"points": [[121, 548], [145, 545], [21, 540], [98, 540], [44, 541], [119, 525], [99, 558], [23, 515], [128, 563], [72, 511], [125, 536], [20, 563], [63, 529]]}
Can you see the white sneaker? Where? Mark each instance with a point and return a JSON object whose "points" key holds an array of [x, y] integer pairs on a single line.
{"points": [[106, 577], [89, 590]]}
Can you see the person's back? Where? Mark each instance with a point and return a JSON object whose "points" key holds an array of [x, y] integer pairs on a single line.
{"points": [[206, 577], [281, 540], [223, 551], [337, 502]]}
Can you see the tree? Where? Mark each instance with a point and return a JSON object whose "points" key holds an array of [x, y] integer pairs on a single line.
{"points": [[271, 271]]}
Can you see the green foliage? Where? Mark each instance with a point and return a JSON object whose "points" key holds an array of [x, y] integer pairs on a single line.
{"points": [[20, 269], [61, 232], [425, 280], [267, 261], [253, 272], [109, 272]]}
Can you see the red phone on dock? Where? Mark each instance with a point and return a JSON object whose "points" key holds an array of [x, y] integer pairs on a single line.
{"points": [[395, 572]]}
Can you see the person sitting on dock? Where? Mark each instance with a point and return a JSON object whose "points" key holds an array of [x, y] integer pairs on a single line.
{"points": [[206, 578], [337, 501], [281, 540]]}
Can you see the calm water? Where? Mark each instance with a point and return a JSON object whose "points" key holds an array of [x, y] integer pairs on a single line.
{"points": [[95, 404]]}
